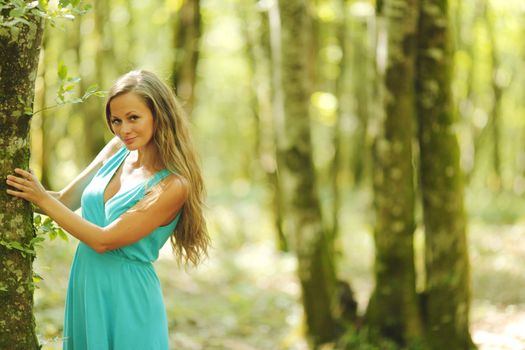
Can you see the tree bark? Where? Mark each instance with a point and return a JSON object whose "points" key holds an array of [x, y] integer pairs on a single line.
{"points": [[19, 49], [187, 40], [393, 311], [446, 258], [303, 222]]}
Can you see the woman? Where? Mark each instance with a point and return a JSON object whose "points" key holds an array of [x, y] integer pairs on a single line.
{"points": [[144, 187]]}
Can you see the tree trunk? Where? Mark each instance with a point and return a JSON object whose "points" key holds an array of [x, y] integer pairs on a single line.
{"points": [[19, 49], [497, 89], [256, 32], [446, 257], [46, 140], [393, 311], [342, 94], [94, 120], [361, 82], [303, 222], [187, 39]]}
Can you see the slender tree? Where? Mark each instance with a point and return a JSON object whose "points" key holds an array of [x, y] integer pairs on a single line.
{"points": [[93, 120], [303, 222], [187, 40], [446, 257], [19, 49], [497, 89], [256, 30], [361, 83], [393, 310]]}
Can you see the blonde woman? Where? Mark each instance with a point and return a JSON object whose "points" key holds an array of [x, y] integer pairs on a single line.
{"points": [[143, 188]]}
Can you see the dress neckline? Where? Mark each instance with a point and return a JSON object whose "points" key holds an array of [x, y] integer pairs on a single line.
{"points": [[119, 192]]}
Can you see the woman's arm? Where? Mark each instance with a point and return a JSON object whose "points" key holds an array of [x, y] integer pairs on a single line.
{"points": [[71, 194], [127, 229]]}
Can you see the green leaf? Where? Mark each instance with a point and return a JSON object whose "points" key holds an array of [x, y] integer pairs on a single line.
{"points": [[18, 246], [64, 3], [77, 100], [37, 219], [37, 278], [17, 12], [62, 235], [62, 70], [92, 88], [52, 235], [74, 80]]}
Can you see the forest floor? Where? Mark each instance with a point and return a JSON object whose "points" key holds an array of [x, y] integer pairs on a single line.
{"points": [[245, 296]]}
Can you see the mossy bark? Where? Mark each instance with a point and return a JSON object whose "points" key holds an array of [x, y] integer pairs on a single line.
{"points": [[19, 49], [393, 311], [303, 222], [446, 257]]}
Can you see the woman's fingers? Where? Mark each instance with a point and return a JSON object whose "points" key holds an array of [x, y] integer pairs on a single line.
{"points": [[13, 180], [25, 174]]}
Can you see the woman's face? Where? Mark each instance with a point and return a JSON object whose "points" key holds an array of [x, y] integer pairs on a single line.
{"points": [[131, 120]]}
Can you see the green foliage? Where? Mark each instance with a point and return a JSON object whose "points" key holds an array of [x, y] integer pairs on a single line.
{"points": [[43, 228], [47, 227], [66, 87], [18, 11]]}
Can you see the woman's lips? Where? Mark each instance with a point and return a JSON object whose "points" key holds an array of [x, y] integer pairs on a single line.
{"points": [[130, 140]]}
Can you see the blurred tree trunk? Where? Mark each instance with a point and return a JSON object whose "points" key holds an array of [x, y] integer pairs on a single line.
{"points": [[361, 83], [44, 120], [446, 257], [19, 49], [94, 120], [274, 22], [256, 30], [497, 89], [187, 38], [342, 95], [303, 220], [393, 311]]}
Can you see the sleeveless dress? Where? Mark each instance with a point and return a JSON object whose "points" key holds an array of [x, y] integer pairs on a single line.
{"points": [[114, 300]]}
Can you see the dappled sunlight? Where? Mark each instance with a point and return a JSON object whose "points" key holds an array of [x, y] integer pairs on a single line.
{"points": [[498, 328]]}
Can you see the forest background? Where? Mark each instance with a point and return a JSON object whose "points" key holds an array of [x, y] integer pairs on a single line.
{"points": [[247, 295]]}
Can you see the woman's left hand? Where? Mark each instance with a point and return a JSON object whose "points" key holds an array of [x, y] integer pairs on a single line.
{"points": [[27, 185]]}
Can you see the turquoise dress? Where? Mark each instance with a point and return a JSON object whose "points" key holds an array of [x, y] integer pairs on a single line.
{"points": [[114, 300]]}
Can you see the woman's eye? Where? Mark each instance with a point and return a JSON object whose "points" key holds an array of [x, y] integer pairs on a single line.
{"points": [[115, 121], [133, 117]]}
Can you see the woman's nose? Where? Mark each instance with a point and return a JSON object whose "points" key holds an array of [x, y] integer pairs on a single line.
{"points": [[125, 128]]}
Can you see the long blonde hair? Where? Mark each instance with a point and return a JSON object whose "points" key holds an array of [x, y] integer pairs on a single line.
{"points": [[172, 139]]}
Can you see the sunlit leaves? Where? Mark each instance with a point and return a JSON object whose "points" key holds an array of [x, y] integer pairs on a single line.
{"points": [[47, 227], [66, 88]]}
